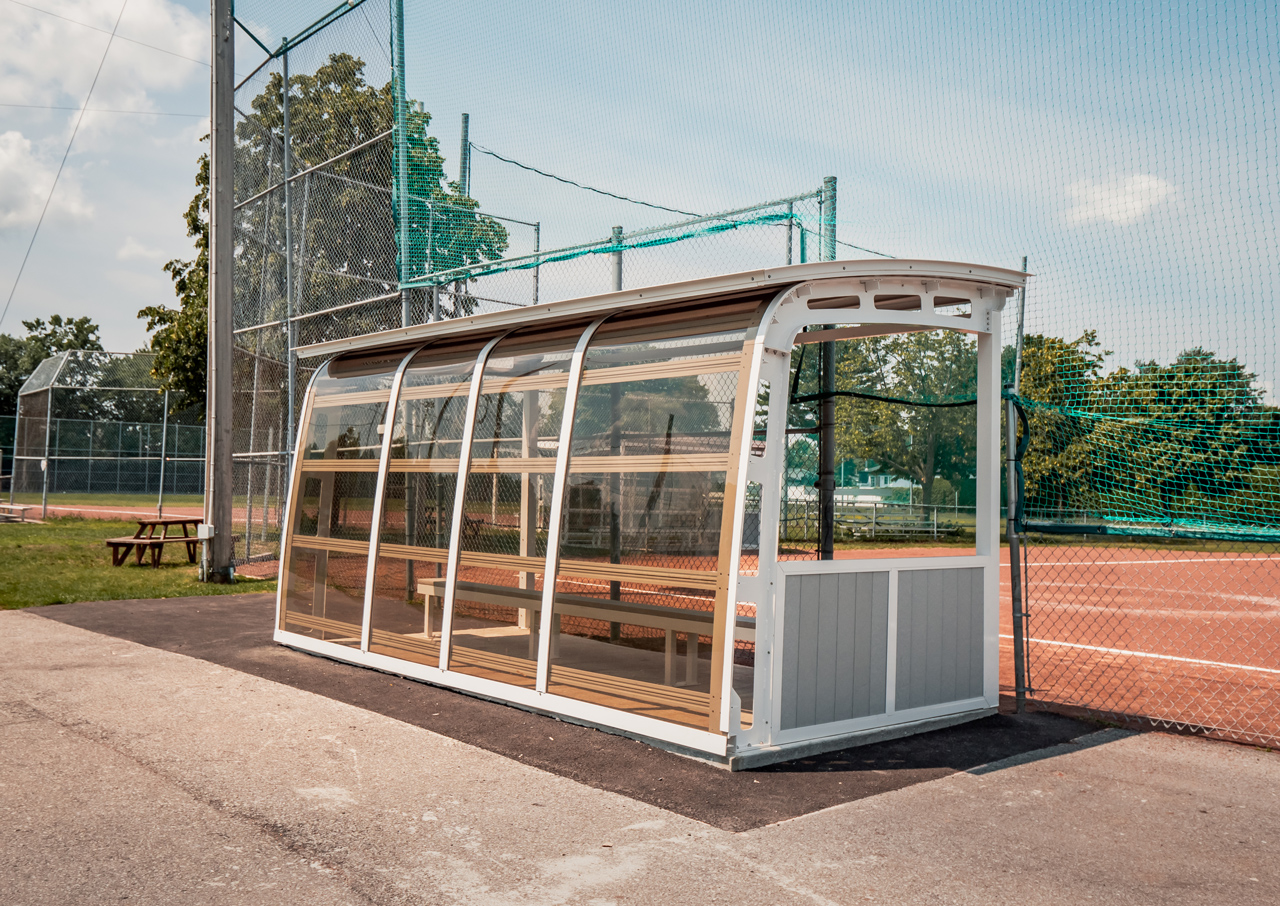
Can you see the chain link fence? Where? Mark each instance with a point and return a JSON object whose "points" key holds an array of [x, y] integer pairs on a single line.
{"points": [[1157, 632], [94, 429]]}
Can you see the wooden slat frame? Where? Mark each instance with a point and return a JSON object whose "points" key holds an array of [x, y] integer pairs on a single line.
{"points": [[332, 545], [640, 575], [649, 371], [352, 399], [441, 466], [651, 462], [338, 465], [412, 552], [435, 391]]}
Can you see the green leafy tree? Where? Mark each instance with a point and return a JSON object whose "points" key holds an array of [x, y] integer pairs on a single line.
{"points": [[19, 356], [180, 336], [1177, 438], [344, 226], [917, 442], [1061, 467]]}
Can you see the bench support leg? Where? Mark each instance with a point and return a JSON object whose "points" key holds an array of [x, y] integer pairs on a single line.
{"points": [[669, 665], [691, 660]]}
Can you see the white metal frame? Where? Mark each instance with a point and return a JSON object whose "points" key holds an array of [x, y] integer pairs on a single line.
{"points": [[840, 287]]}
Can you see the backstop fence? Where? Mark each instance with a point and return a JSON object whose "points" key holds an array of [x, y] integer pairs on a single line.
{"points": [[95, 429], [1145, 364]]}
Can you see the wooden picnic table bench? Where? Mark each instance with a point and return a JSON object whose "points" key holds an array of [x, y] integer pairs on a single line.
{"points": [[692, 623], [145, 539]]}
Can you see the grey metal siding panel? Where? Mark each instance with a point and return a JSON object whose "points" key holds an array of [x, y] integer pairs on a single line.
{"points": [[790, 651], [826, 661], [878, 665], [835, 647], [940, 636]]}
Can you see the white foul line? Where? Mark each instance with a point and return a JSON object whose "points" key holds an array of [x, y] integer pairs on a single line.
{"points": [[1163, 657], [1225, 559]]}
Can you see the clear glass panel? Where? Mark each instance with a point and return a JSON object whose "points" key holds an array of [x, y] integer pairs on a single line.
{"points": [[417, 510], [327, 558], [641, 536], [906, 441], [508, 499]]}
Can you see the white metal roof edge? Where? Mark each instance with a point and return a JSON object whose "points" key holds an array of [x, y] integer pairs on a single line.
{"points": [[764, 279]]}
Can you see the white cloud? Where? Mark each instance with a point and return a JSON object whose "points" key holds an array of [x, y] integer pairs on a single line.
{"points": [[1120, 201], [24, 185], [133, 250], [52, 61]]}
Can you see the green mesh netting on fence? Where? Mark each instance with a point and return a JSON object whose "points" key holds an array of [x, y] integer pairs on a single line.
{"points": [[1130, 153]]}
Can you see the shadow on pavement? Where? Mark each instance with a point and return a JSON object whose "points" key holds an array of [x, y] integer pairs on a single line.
{"points": [[235, 631]]}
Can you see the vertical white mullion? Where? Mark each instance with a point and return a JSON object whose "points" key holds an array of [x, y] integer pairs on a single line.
{"points": [[557, 506], [987, 517], [295, 479], [375, 518], [460, 499], [891, 648], [746, 423]]}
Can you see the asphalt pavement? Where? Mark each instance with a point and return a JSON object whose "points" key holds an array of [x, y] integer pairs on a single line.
{"points": [[168, 752]]}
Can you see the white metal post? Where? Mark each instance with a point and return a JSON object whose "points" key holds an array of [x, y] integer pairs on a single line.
{"points": [[559, 490], [164, 450]]}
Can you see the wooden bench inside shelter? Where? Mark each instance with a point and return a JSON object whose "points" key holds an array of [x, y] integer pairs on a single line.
{"points": [[692, 623]]}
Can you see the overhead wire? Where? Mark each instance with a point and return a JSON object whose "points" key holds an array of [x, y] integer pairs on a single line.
{"points": [[23, 266]]}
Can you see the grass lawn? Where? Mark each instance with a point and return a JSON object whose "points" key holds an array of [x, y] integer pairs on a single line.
{"points": [[65, 560]]}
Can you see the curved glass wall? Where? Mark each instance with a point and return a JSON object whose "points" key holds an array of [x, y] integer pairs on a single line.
{"points": [[418, 500], [331, 513]]}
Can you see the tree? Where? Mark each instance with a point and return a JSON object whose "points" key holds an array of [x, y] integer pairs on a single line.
{"points": [[20, 356], [1061, 468], [344, 228], [180, 336], [1177, 438], [919, 440]]}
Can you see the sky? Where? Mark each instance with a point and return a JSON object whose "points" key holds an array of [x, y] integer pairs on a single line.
{"points": [[1129, 150]]}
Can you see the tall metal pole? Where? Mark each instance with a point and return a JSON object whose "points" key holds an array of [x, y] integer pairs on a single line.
{"points": [[1013, 518], [217, 500], [791, 217], [44, 462], [617, 259], [464, 157], [615, 448], [164, 452], [13, 460], [402, 155], [537, 269], [291, 329], [827, 410]]}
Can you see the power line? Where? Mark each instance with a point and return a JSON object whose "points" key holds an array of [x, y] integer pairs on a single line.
{"points": [[112, 33], [65, 154], [570, 182], [101, 110]]}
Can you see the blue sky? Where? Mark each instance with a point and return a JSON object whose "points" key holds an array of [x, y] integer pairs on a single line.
{"points": [[1129, 150]]}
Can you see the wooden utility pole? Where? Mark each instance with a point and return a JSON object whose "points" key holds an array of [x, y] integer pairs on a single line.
{"points": [[217, 489]]}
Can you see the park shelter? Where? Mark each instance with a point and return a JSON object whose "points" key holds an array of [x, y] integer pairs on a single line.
{"points": [[570, 508]]}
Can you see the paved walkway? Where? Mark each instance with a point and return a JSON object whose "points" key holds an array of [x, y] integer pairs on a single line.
{"points": [[142, 773]]}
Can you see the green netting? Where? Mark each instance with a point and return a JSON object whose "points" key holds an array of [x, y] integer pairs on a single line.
{"points": [[1130, 154]]}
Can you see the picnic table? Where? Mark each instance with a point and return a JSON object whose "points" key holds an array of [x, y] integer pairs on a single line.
{"points": [[145, 539]]}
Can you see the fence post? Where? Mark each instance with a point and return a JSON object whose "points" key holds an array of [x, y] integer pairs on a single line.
{"points": [[617, 259], [164, 449], [44, 463]]}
